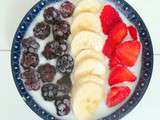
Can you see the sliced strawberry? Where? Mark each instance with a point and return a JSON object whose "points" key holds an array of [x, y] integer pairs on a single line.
{"points": [[115, 37], [128, 52], [118, 33], [109, 18], [121, 74], [108, 48], [114, 61], [117, 95], [133, 32]]}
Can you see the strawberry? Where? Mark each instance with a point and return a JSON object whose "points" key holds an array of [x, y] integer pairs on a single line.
{"points": [[108, 48], [113, 61], [115, 37], [109, 18], [133, 32], [118, 33], [128, 52], [121, 74], [117, 95]]}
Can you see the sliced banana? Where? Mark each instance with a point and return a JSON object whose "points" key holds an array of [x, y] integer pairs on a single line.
{"points": [[90, 66], [88, 54], [86, 40], [86, 21], [85, 105], [90, 78], [92, 6]]}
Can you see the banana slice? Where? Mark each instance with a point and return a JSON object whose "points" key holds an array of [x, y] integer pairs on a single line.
{"points": [[88, 54], [86, 40], [85, 105], [86, 21], [92, 6], [90, 78], [90, 66]]}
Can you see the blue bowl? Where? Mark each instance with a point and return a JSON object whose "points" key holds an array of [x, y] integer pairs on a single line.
{"points": [[146, 67]]}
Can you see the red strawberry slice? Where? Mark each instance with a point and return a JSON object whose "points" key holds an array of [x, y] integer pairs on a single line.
{"points": [[121, 74], [114, 61], [118, 33], [133, 32], [128, 52], [115, 37], [108, 48], [117, 95], [109, 18]]}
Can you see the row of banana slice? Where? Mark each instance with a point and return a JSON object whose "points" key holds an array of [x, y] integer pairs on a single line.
{"points": [[90, 68]]}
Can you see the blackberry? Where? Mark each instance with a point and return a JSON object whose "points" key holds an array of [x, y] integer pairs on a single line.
{"points": [[31, 78], [67, 9], [29, 60], [51, 15], [62, 105], [65, 64], [66, 82], [47, 72], [61, 30], [30, 44], [41, 30], [54, 49], [49, 92], [62, 90]]}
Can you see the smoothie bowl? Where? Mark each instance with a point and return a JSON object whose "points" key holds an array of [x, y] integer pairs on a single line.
{"points": [[82, 59]]}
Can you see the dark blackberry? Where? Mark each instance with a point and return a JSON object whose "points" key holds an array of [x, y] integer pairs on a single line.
{"points": [[51, 15], [61, 30], [62, 91], [41, 30], [47, 72], [62, 105], [65, 64], [49, 92], [66, 82], [30, 44], [29, 60], [67, 9], [31, 78], [54, 49]]}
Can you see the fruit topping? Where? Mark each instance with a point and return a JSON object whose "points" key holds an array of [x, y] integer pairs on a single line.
{"points": [[47, 72], [31, 79], [109, 18], [65, 64], [30, 44], [118, 33], [63, 109], [66, 82], [117, 95], [128, 52], [113, 61], [49, 92], [115, 37], [133, 32], [41, 30], [29, 60], [61, 30], [54, 49], [121, 74], [51, 15], [67, 9]]}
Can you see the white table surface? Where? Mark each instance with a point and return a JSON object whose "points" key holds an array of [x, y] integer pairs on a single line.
{"points": [[12, 107]]}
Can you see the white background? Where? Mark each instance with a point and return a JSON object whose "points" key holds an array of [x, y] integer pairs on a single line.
{"points": [[12, 106]]}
